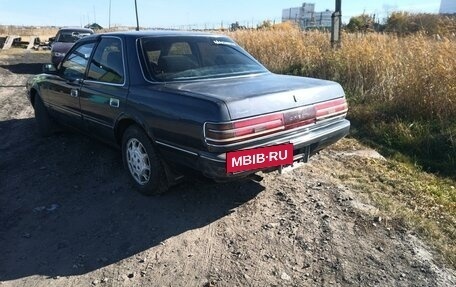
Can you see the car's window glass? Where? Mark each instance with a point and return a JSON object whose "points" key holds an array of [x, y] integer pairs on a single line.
{"points": [[69, 36], [107, 64], [74, 66], [153, 56], [180, 48], [189, 58]]}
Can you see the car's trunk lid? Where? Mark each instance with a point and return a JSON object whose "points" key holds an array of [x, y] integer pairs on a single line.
{"points": [[261, 94]]}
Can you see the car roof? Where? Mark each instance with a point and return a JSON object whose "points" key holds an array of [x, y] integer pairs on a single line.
{"points": [[76, 29], [154, 33]]}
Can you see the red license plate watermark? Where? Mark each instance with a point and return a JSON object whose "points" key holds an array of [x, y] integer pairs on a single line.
{"points": [[258, 158]]}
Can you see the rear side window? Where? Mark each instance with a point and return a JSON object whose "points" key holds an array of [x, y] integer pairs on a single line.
{"points": [[107, 62]]}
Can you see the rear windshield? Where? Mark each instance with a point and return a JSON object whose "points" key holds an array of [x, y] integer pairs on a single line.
{"points": [[71, 36], [192, 58]]}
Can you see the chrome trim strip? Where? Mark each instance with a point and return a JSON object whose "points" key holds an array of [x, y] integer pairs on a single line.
{"points": [[176, 148], [246, 136], [213, 159], [339, 117], [330, 108], [105, 83], [94, 120], [335, 114], [303, 130], [246, 127], [306, 128], [63, 110], [306, 137], [140, 46]]}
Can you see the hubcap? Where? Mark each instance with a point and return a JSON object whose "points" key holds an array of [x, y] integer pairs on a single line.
{"points": [[138, 161]]}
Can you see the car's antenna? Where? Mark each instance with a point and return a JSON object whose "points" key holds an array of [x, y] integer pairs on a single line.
{"points": [[137, 20]]}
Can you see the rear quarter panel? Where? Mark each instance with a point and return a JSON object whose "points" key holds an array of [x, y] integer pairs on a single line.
{"points": [[174, 118]]}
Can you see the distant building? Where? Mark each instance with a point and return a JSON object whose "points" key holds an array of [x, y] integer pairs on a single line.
{"points": [[306, 17], [448, 7]]}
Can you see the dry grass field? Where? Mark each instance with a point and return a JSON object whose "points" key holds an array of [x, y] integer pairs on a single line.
{"points": [[25, 32], [402, 90]]}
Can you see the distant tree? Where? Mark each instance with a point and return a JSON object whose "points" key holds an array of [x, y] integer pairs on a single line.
{"points": [[235, 26], [361, 23], [400, 22], [354, 24], [404, 23], [267, 24], [429, 23]]}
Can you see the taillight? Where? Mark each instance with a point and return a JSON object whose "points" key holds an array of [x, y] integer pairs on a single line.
{"points": [[236, 131], [244, 129], [331, 109]]}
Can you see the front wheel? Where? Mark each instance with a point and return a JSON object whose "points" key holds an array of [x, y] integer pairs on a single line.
{"points": [[142, 162], [46, 125]]}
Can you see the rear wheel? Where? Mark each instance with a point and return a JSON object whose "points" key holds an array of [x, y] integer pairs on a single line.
{"points": [[46, 125], [142, 162]]}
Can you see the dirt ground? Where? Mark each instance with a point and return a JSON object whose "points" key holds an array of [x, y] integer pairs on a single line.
{"points": [[69, 217]]}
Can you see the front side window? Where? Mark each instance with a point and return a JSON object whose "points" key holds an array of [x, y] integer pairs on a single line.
{"points": [[75, 64], [195, 57], [107, 64]]}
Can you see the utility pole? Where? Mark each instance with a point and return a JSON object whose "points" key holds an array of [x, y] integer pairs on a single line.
{"points": [[109, 23], [137, 20], [94, 15], [336, 23]]}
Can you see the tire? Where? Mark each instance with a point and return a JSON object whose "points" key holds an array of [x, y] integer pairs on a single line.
{"points": [[142, 162], [46, 125]]}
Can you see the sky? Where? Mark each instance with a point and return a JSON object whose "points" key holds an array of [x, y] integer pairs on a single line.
{"points": [[184, 14]]}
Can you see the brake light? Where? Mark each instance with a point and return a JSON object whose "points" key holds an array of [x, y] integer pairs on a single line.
{"points": [[239, 130], [236, 131], [331, 109]]}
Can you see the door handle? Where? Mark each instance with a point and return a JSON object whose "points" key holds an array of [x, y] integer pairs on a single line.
{"points": [[114, 103], [74, 93]]}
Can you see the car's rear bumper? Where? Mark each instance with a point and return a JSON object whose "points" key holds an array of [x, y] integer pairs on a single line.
{"points": [[305, 143]]}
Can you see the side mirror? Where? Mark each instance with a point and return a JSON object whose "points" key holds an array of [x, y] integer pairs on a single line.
{"points": [[49, 69], [52, 39]]}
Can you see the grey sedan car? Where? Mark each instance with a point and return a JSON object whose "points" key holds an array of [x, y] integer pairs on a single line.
{"points": [[184, 103], [64, 40]]}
